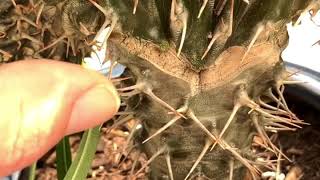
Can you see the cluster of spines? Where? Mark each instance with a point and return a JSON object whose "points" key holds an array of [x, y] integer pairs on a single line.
{"points": [[264, 118], [72, 39]]}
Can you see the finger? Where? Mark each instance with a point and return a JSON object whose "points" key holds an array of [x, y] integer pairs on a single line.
{"points": [[41, 101]]}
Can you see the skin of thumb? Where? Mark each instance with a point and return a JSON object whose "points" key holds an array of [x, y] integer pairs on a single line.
{"points": [[43, 100]]}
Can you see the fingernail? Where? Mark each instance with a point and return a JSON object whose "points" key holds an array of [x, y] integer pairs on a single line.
{"points": [[95, 107]]}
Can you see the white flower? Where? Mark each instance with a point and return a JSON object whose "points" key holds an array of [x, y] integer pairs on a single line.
{"points": [[97, 60]]}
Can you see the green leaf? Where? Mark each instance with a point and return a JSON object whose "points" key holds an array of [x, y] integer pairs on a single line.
{"points": [[64, 158], [32, 171], [82, 163]]}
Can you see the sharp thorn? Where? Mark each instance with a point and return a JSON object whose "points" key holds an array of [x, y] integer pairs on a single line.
{"points": [[253, 170], [231, 167], [275, 110], [149, 92], [125, 155], [114, 80], [246, 1], [135, 161], [138, 86], [245, 100], [135, 5], [120, 122], [235, 109], [294, 82], [105, 24], [172, 10], [14, 3], [68, 47], [53, 43], [278, 165], [280, 93], [124, 113], [203, 152], [220, 6], [184, 31], [133, 130], [22, 17], [197, 121], [204, 4], [277, 129], [129, 94], [168, 161], [259, 129], [214, 38], [27, 36], [113, 64], [255, 37], [265, 137], [270, 122], [277, 118], [152, 158], [163, 128], [39, 14], [274, 98]]}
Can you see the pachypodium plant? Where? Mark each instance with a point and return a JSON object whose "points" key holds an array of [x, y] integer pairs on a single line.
{"points": [[205, 77]]}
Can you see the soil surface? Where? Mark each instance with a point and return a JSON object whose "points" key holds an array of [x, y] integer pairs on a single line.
{"points": [[303, 146]]}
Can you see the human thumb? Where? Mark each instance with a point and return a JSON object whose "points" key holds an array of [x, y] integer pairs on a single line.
{"points": [[43, 100]]}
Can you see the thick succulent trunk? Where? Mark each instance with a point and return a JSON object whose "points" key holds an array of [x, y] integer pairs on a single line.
{"points": [[204, 92], [198, 83]]}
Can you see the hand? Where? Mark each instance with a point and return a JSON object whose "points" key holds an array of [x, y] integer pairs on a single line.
{"points": [[43, 100]]}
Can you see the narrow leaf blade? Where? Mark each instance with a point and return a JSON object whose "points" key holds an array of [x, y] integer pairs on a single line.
{"points": [[32, 171], [82, 162], [64, 158]]}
